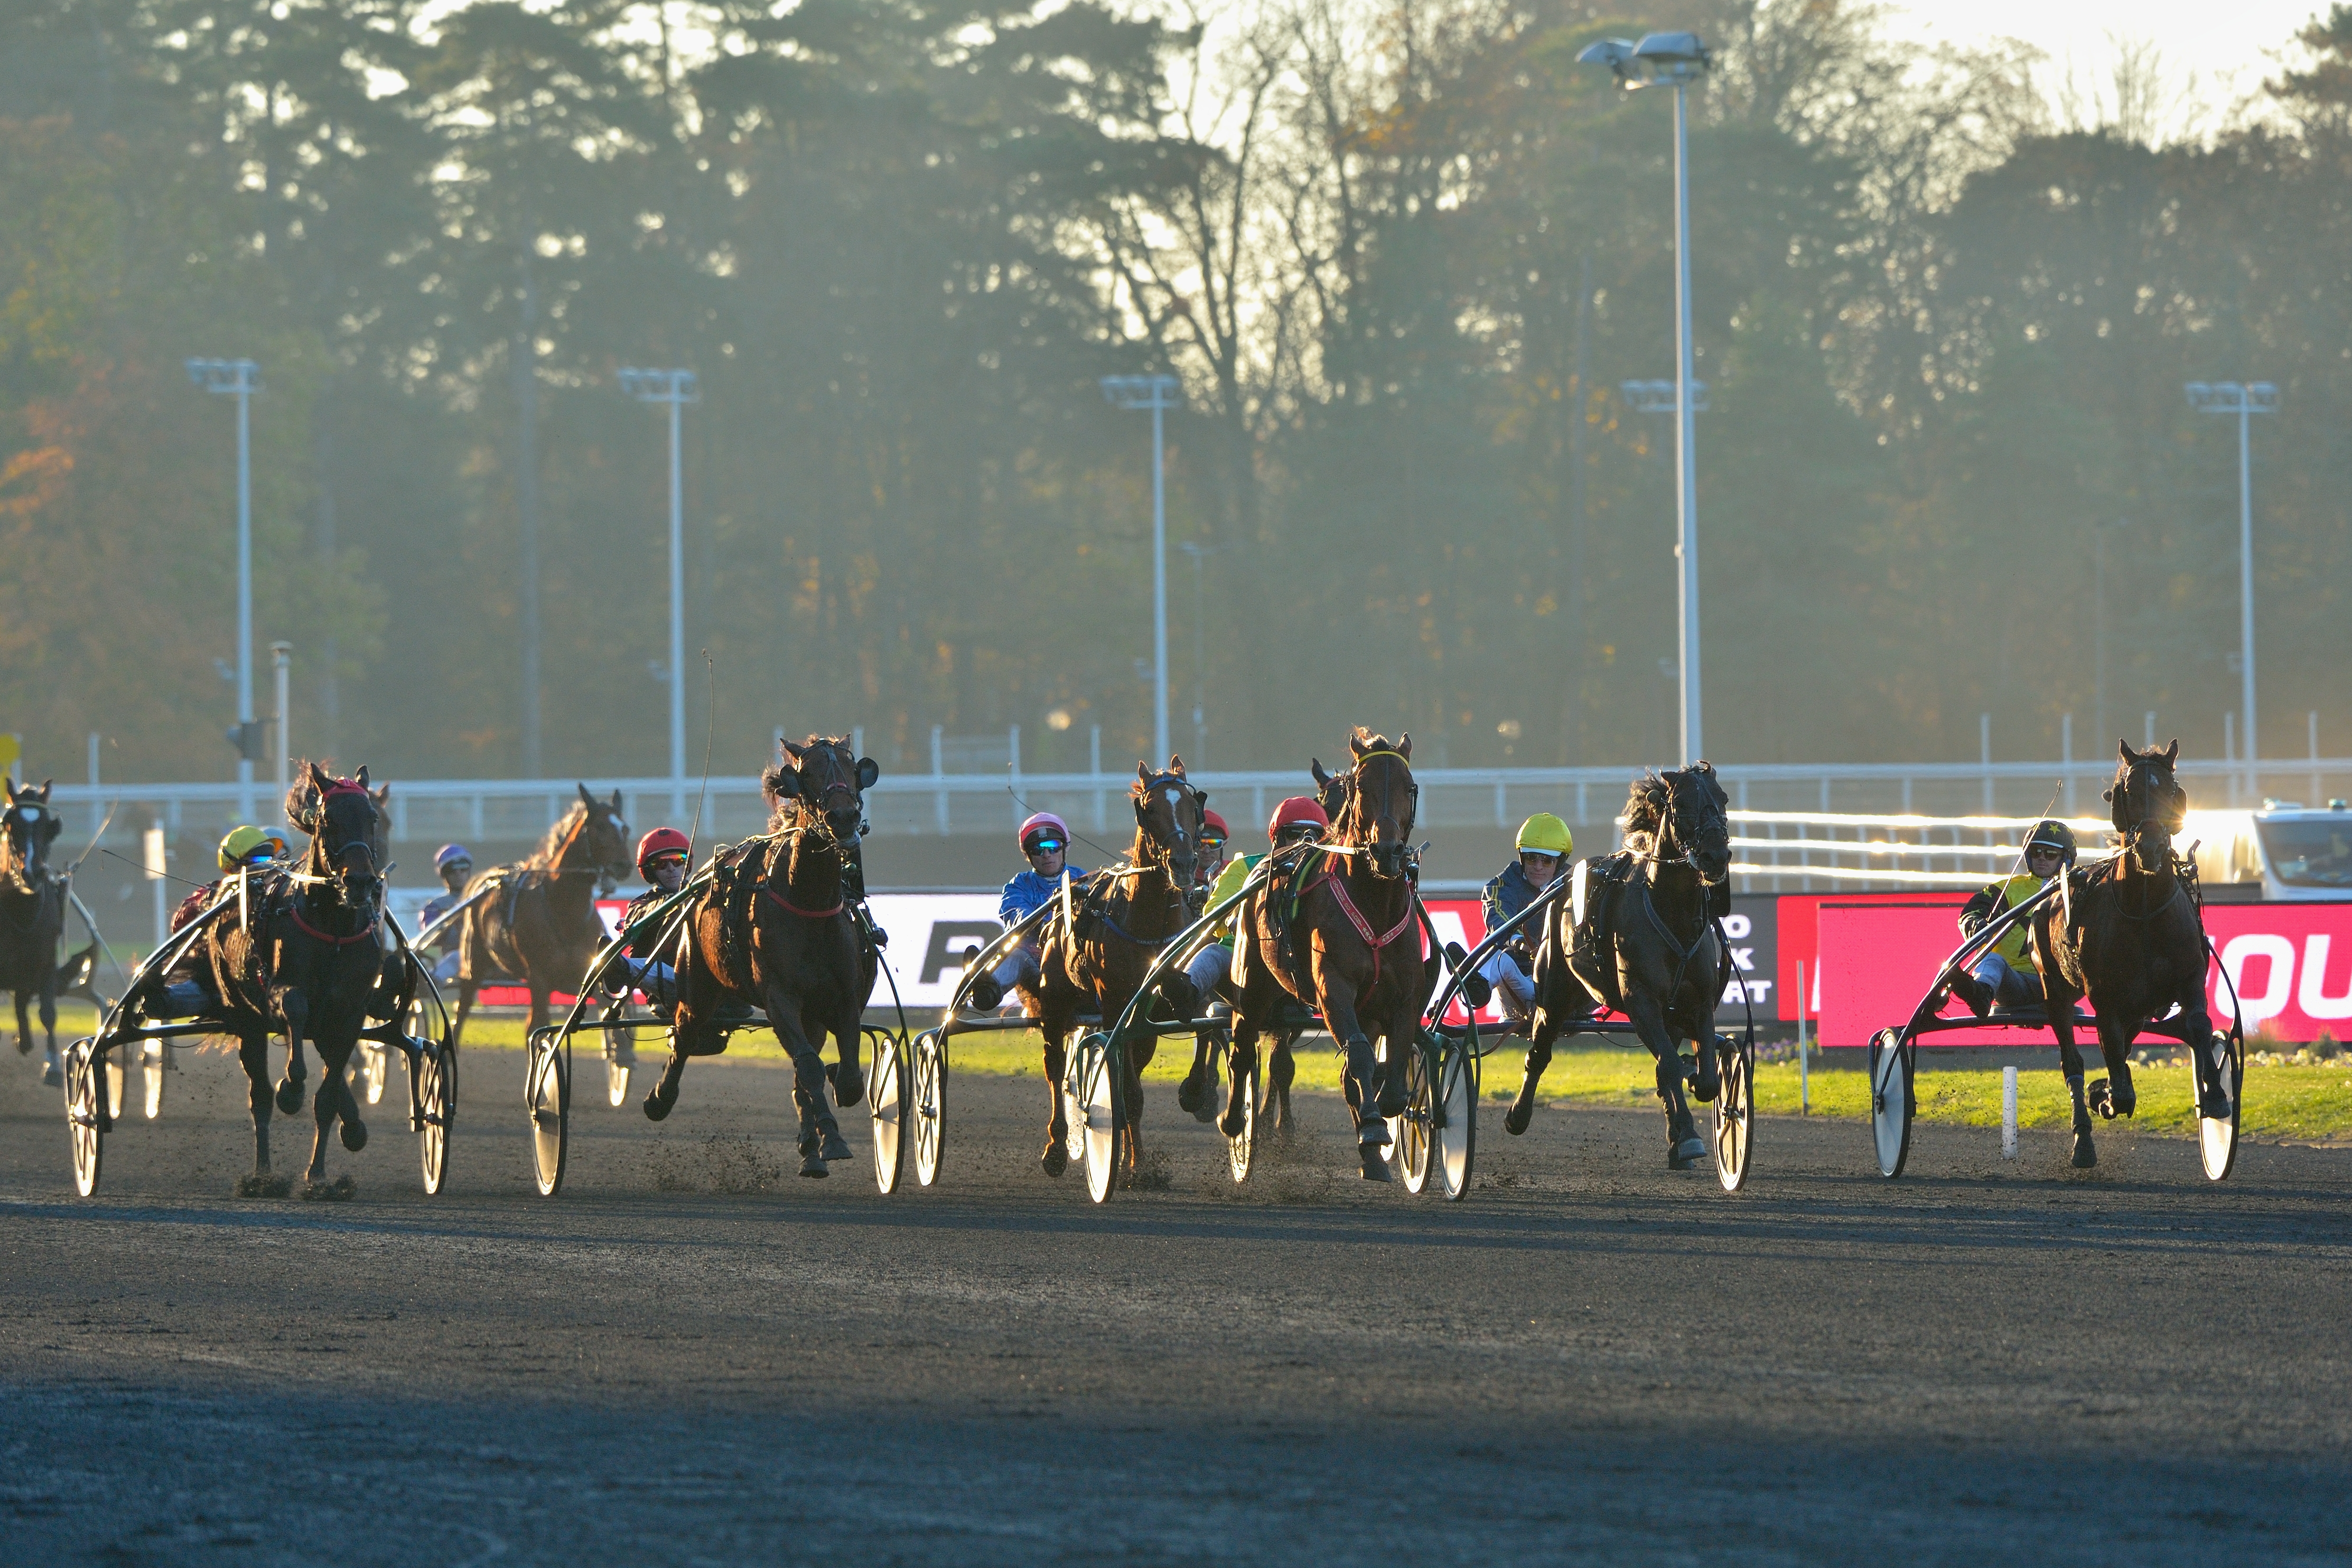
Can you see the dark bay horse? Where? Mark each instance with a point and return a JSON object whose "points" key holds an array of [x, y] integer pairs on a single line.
{"points": [[303, 956], [538, 923], [2130, 936], [1353, 948], [1127, 916], [1651, 948], [779, 930], [32, 916]]}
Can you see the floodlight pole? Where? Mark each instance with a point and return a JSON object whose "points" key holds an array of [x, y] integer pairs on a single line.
{"points": [[676, 388], [239, 378], [1157, 393], [2244, 401]]}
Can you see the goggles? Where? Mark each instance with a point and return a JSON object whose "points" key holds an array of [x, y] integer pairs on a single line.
{"points": [[1044, 845], [667, 859], [1212, 840]]}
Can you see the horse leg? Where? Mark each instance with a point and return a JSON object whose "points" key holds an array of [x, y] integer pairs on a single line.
{"points": [[1684, 1147], [2061, 1008], [818, 1129], [2115, 1044], [686, 1039], [326, 1102], [1281, 1067], [466, 989], [1193, 1096], [1241, 1080], [49, 1012], [1056, 1157], [253, 1053], [23, 1027], [1136, 1061], [337, 1084], [850, 1072], [2197, 1025], [1523, 1109], [1362, 1090]]}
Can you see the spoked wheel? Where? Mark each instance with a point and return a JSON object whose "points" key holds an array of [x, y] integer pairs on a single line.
{"points": [[1242, 1146], [928, 1104], [1734, 1113], [1890, 1099], [886, 1101], [1102, 1111], [118, 1075], [83, 1117], [1074, 1095], [375, 1066], [1408, 1133], [2217, 1136], [1453, 1137], [434, 1087], [620, 1055], [547, 1091]]}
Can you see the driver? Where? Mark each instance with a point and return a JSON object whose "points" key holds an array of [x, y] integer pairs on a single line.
{"points": [[661, 861], [1301, 819], [1544, 845], [2006, 976], [1046, 840], [186, 990], [454, 864]]}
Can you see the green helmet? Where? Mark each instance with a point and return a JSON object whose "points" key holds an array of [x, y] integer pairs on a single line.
{"points": [[2057, 834], [1545, 835]]}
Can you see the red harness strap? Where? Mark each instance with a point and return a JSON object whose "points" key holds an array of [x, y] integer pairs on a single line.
{"points": [[1364, 927], [311, 930], [793, 908]]}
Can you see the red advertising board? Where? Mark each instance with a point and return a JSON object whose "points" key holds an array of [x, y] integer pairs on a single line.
{"points": [[2291, 965]]}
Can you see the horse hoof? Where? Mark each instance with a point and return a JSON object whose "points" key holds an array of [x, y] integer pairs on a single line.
{"points": [[1516, 1120], [24, 1047], [51, 1078], [2214, 1106], [813, 1167], [354, 1134], [264, 1184], [1682, 1156], [835, 1148], [1190, 1095], [1235, 1118], [848, 1089], [338, 1191], [1056, 1159], [1375, 1169], [2086, 1154], [2101, 1100], [658, 1101], [289, 1097]]}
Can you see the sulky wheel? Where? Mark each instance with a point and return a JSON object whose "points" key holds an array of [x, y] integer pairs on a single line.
{"points": [[1243, 1144], [154, 1063], [85, 1118], [435, 1086], [1101, 1116], [1734, 1113], [2217, 1136], [1891, 1103], [1073, 1094], [547, 1091], [1408, 1133], [118, 1080], [886, 1102], [375, 1066], [1454, 1135], [620, 1054], [926, 1096]]}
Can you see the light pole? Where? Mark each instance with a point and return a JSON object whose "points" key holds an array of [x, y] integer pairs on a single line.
{"points": [[240, 378], [1156, 393], [2099, 529], [282, 661], [678, 388], [2244, 401], [1198, 553], [1675, 60]]}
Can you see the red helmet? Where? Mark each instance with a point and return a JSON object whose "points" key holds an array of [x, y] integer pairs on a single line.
{"points": [[659, 842], [1299, 811], [1045, 825], [1211, 823]]}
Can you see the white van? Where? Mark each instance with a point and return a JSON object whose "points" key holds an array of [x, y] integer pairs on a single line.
{"points": [[2297, 853]]}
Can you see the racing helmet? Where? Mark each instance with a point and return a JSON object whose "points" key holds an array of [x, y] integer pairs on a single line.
{"points": [[1044, 827], [448, 854], [238, 847], [1302, 816], [661, 841], [1545, 835], [1214, 831], [2052, 832]]}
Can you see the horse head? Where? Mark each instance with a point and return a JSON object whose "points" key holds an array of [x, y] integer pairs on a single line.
{"points": [[1380, 802], [2148, 804], [828, 780], [31, 827], [606, 835], [1168, 819], [1681, 816], [341, 816]]}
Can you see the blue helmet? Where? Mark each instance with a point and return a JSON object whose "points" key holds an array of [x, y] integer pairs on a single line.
{"points": [[449, 853]]}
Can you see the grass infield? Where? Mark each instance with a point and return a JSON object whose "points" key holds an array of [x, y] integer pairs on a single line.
{"points": [[2287, 1099]]}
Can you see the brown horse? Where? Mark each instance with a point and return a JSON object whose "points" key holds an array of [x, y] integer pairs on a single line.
{"points": [[2130, 936], [1127, 917], [32, 916], [1353, 947], [781, 928], [303, 956], [1653, 948], [538, 923]]}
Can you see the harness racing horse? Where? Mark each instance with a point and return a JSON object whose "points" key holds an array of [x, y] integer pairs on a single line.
{"points": [[302, 954], [32, 916], [1354, 949], [1127, 917], [2130, 936], [780, 930], [539, 924], [1650, 947]]}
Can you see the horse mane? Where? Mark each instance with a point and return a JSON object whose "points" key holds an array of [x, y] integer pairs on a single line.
{"points": [[551, 843], [1647, 803], [302, 795]]}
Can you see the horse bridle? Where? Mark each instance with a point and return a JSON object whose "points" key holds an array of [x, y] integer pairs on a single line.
{"points": [[1356, 805], [816, 819], [24, 818], [1670, 828], [2155, 817], [331, 859]]}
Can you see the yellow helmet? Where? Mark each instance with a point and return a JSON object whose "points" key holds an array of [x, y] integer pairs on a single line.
{"points": [[240, 842], [1545, 835]]}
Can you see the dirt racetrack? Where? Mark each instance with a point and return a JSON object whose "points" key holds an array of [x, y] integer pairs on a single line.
{"points": [[692, 1357]]}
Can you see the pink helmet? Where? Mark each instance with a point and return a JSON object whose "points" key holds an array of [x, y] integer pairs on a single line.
{"points": [[1043, 824]]}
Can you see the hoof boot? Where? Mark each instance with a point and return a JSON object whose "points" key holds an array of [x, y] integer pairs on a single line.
{"points": [[1191, 1096], [51, 1078], [354, 1136], [836, 1147], [290, 1096], [813, 1167], [659, 1100], [1522, 1111], [1057, 1158], [1682, 1156], [1375, 1169], [2086, 1155], [848, 1089], [1235, 1118]]}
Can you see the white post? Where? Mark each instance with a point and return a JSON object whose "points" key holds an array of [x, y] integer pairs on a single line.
{"points": [[1160, 744], [1804, 1075], [2148, 738], [2246, 585], [2311, 721], [856, 741], [98, 807], [2230, 751], [244, 590], [2009, 1113], [1686, 448], [2066, 757], [153, 842], [940, 791], [676, 617], [281, 660], [1984, 755], [1094, 766]]}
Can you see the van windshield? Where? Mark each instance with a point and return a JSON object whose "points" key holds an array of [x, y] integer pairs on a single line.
{"points": [[2312, 853]]}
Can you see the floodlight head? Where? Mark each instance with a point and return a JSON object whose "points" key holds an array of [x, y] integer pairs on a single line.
{"points": [[1658, 396], [2229, 397], [224, 374], [659, 385], [1672, 49], [1139, 391], [1610, 52]]}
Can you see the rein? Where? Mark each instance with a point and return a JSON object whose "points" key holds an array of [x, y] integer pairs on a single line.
{"points": [[790, 908]]}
